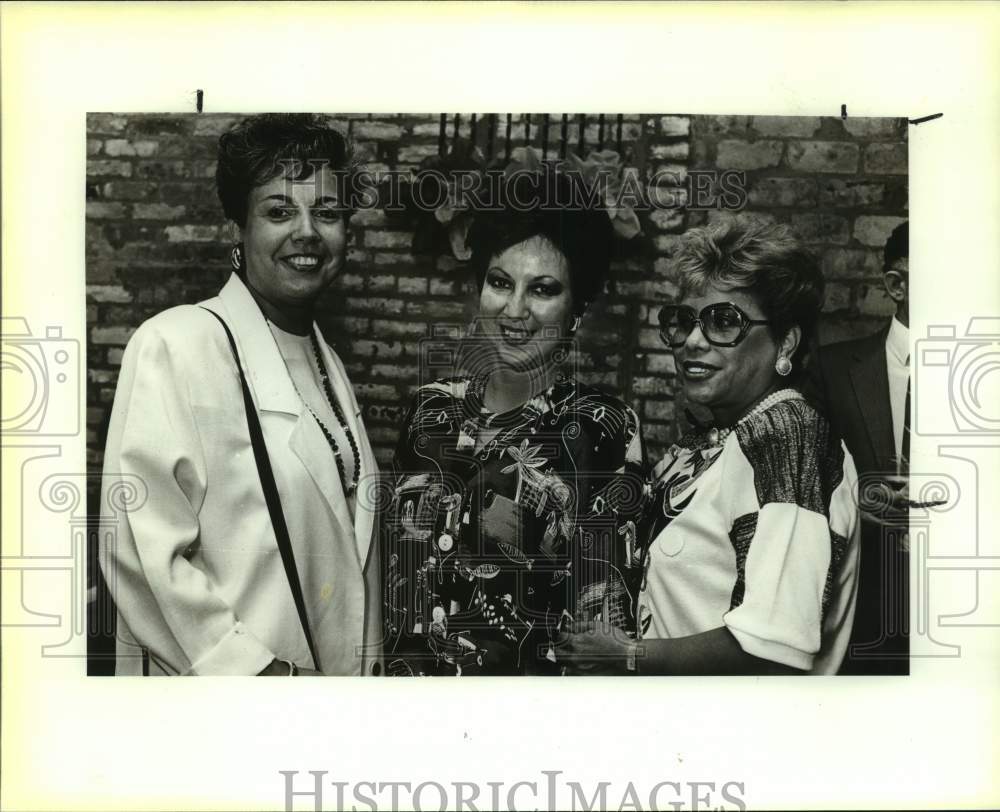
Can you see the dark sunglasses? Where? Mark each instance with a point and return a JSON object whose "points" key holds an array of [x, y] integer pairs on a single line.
{"points": [[723, 324]]}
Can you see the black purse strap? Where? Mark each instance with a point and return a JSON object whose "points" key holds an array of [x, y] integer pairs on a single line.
{"points": [[271, 496]]}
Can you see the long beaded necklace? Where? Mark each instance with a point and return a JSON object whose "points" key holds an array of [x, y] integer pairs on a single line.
{"points": [[349, 487]]}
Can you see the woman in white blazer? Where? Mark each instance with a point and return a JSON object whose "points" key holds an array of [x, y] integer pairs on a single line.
{"points": [[226, 567]]}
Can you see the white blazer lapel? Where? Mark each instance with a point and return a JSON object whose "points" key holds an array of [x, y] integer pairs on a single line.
{"points": [[274, 392], [311, 447], [363, 514], [262, 362]]}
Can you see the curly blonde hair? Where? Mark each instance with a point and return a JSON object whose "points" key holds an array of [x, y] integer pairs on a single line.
{"points": [[764, 259]]}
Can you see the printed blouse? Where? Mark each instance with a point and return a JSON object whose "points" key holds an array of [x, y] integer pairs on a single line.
{"points": [[758, 534], [504, 528]]}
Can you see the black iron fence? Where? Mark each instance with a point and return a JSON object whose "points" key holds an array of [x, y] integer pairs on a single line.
{"points": [[494, 133]]}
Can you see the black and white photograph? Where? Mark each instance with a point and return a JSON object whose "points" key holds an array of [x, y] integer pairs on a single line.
{"points": [[499, 394], [311, 371]]}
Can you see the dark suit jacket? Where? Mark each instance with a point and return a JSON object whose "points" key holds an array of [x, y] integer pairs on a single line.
{"points": [[848, 382]]}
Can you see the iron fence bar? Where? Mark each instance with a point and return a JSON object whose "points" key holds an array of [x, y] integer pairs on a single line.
{"points": [[604, 132]]}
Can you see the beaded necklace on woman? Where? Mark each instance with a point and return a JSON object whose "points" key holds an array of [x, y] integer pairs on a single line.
{"points": [[349, 481], [715, 437]]}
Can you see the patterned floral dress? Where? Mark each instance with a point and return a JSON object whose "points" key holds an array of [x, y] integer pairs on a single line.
{"points": [[490, 547]]}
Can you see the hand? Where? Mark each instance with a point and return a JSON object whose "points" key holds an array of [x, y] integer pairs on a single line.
{"points": [[593, 648], [886, 500]]}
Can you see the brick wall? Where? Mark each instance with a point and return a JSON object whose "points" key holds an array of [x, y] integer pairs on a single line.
{"points": [[842, 184], [156, 238]]}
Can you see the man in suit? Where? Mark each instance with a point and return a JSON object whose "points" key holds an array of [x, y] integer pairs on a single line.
{"points": [[864, 388]]}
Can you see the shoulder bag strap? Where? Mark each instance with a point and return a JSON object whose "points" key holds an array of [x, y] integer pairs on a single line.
{"points": [[271, 496]]}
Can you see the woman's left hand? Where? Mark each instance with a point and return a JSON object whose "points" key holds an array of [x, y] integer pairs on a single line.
{"points": [[594, 648]]}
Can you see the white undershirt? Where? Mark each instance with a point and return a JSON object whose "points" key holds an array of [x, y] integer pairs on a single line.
{"points": [[297, 352], [897, 356]]}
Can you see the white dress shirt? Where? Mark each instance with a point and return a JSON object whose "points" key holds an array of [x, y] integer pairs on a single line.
{"points": [[897, 362]]}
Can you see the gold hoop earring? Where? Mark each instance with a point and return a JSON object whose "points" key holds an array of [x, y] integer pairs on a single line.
{"points": [[236, 257]]}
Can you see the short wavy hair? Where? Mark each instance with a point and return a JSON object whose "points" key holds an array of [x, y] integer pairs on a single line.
{"points": [[765, 259], [557, 207], [897, 246], [260, 148]]}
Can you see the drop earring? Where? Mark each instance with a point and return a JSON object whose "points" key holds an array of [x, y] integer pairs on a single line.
{"points": [[783, 366]]}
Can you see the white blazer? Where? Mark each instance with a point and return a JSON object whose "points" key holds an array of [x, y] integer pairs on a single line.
{"points": [[195, 570]]}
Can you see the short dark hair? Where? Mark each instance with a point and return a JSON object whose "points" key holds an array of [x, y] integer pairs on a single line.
{"points": [[260, 148], [766, 259], [558, 207], [897, 246]]}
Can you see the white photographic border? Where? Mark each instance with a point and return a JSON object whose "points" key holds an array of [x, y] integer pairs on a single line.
{"points": [[928, 740]]}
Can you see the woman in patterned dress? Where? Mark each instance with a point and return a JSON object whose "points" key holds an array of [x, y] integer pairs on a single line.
{"points": [[508, 476], [751, 542]]}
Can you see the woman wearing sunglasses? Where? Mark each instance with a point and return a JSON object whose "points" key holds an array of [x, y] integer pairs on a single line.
{"points": [[750, 539]]}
